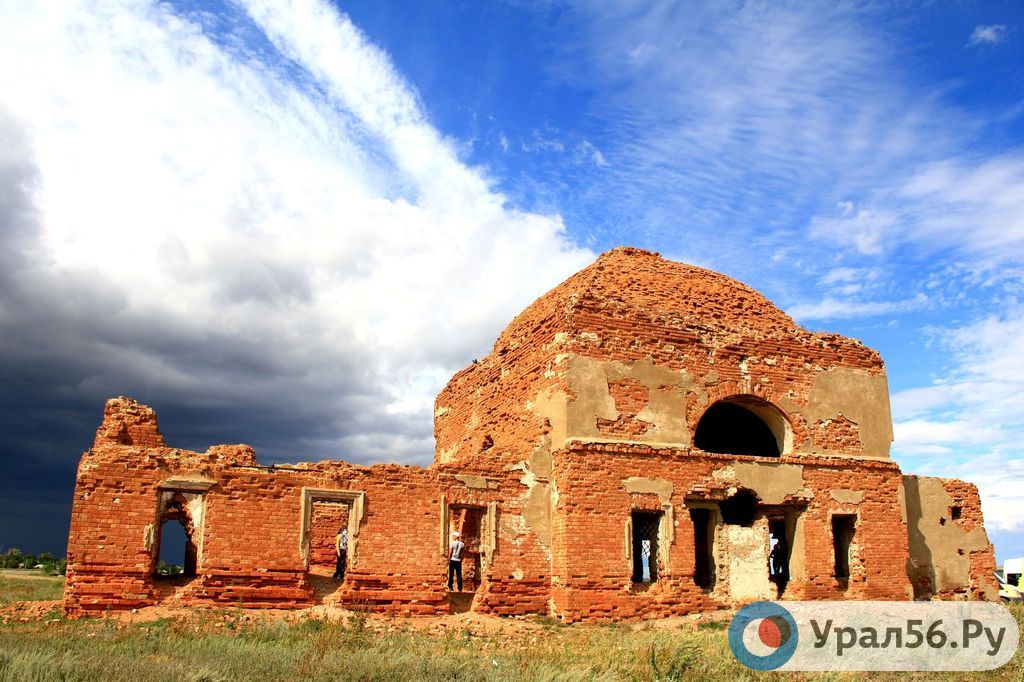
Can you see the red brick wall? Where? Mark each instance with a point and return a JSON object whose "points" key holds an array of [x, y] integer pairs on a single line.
{"points": [[629, 305], [593, 506]]}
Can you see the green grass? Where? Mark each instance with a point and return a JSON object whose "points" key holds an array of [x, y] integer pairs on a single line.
{"points": [[29, 586], [220, 645]]}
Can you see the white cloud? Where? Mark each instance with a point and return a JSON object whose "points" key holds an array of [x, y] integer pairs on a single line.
{"points": [[960, 204], [540, 143], [973, 415], [210, 228], [836, 309], [987, 34], [749, 116], [586, 150], [641, 53], [863, 228]]}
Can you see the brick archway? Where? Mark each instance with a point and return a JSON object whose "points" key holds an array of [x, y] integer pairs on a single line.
{"points": [[744, 424], [177, 509]]}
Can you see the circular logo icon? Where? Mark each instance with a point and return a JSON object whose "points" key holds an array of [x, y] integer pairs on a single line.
{"points": [[763, 635]]}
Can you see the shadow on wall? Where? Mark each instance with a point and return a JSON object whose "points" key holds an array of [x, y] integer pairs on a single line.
{"points": [[920, 568]]}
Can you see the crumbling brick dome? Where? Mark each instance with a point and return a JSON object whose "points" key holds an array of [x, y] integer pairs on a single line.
{"points": [[647, 439], [628, 283], [711, 336]]}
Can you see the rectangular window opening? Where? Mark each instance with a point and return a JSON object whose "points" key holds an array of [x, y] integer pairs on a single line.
{"points": [[703, 546], [843, 527], [645, 546]]}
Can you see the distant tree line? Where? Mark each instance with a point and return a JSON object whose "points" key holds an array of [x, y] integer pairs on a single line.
{"points": [[164, 568], [46, 562]]}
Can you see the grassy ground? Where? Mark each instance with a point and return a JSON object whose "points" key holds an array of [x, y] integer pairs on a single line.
{"points": [[230, 644], [25, 585]]}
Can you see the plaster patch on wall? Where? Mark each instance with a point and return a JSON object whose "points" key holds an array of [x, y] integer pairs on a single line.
{"points": [[149, 537], [657, 486], [537, 508], [447, 455], [591, 400], [551, 404], [748, 562], [473, 482], [771, 482], [942, 549], [844, 496], [726, 473], [860, 396], [540, 460]]}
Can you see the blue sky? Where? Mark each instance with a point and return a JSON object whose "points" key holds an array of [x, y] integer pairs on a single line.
{"points": [[290, 223]]}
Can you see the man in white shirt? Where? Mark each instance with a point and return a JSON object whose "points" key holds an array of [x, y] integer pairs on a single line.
{"points": [[341, 551], [455, 560]]}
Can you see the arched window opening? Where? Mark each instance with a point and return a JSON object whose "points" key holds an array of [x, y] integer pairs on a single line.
{"points": [[175, 557], [743, 425], [176, 548]]}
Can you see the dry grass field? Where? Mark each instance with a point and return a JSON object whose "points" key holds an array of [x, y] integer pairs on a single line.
{"points": [[37, 643]]}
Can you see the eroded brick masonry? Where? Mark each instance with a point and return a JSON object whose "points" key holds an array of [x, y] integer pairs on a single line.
{"points": [[646, 439]]}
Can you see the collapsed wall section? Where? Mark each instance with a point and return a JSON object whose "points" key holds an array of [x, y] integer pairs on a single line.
{"points": [[950, 553], [262, 537]]}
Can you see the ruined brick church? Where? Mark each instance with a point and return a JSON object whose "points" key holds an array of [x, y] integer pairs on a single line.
{"points": [[646, 439]]}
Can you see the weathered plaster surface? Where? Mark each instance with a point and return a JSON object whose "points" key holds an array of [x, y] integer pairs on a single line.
{"points": [[473, 482], [860, 396], [748, 562], [537, 506], [771, 482], [657, 486], [591, 400], [946, 547]]}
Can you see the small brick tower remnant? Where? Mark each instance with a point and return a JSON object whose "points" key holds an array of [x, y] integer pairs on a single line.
{"points": [[647, 439]]}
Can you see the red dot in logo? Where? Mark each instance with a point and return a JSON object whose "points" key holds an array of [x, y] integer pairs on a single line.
{"points": [[769, 632]]}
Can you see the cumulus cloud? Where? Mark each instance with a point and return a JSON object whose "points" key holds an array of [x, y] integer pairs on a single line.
{"points": [[255, 218], [987, 34]]}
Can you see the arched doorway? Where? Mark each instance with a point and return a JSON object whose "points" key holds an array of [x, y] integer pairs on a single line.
{"points": [[176, 545], [743, 425]]}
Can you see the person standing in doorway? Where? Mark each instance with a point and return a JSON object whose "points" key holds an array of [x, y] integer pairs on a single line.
{"points": [[341, 550], [455, 560]]}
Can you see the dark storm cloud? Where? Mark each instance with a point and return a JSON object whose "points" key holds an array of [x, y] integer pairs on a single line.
{"points": [[286, 257], [70, 341]]}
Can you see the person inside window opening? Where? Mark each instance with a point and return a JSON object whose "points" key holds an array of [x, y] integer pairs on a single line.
{"points": [[777, 561], [455, 550], [341, 551]]}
